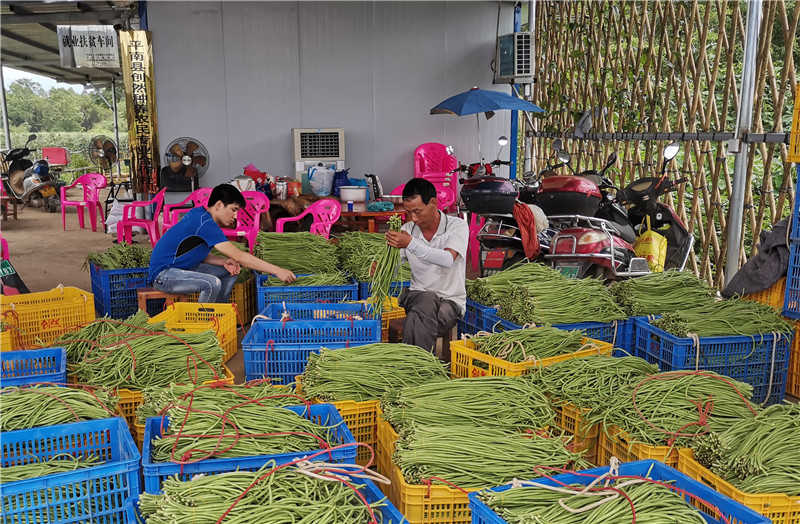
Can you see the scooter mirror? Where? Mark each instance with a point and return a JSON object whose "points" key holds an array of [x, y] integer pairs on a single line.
{"points": [[502, 141], [31, 138], [671, 150], [563, 156], [557, 144], [612, 159]]}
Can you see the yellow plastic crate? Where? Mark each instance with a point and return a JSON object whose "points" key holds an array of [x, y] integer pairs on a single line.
{"points": [[619, 445], [6, 343], [781, 508], [584, 436], [793, 376], [133, 399], [37, 319], [463, 358], [772, 296], [243, 297], [187, 317], [794, 141], [391, 311]]}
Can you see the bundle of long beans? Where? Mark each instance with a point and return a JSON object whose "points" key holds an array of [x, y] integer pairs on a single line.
{"points": [[356, 251], [508, 403], [757, 455], [367, 372], [33, 407], [244, 431], [216, 398], [473, 457], [105, 331], [57, 464], [651, 502], [735, 316], [386, 262], [530, 344], [659, 293], [488, 290], [142, 360], [558, 301], [585, 381], [120, 256], [674, 407], [319, 279], [297, 252], [281, 495]]}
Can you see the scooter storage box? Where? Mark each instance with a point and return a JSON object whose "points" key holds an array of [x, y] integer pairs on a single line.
{"points": [[489, 195], [568, 195]]}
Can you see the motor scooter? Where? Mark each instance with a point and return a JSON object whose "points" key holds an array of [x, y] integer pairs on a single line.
{"points": [[30, 183], [600, 243]]}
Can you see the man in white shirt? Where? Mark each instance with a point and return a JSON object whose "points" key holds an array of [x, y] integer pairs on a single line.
{"points": [[435, 246]]}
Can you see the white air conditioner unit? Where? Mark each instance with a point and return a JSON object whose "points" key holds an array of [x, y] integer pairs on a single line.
{"points": [[317, 146], [514, 59]]}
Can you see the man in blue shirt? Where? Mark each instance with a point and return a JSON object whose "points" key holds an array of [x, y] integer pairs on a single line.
{"points": [[182, 262]]}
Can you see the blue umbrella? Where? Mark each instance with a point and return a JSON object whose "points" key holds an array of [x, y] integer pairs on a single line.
{"points": [[482, 101], [477, 101]]}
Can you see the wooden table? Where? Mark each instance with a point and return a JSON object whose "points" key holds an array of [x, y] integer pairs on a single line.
{"points": [[360, 215]]}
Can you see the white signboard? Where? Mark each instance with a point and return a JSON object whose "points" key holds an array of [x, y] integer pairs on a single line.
{"points": [[88, 46]]}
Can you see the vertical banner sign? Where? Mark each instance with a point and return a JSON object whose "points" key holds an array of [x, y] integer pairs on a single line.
{"points": [[140, 98], [88, 46]]}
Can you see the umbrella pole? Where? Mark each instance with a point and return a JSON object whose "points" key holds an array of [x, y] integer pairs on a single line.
{"points": [[478, 120]]}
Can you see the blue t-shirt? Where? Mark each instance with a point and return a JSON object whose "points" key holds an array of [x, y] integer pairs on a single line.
{"points": [[186, 244]]}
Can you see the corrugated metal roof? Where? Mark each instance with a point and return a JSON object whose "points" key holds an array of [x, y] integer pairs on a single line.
{"points": [[29, 39]]}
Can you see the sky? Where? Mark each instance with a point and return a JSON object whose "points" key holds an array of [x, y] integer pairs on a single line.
{"points": [[9, 75]]}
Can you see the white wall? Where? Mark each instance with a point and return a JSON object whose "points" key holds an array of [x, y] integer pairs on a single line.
{"points": [[239, 76]]}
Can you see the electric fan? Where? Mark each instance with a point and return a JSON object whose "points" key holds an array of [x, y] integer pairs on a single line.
{"points": [[103, 152], [186, 161]]}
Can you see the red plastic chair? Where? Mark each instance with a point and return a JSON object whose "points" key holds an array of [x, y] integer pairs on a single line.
{"points": [[173, 212], [130, 220], [325, 212], [92, 183], [248, 220]]}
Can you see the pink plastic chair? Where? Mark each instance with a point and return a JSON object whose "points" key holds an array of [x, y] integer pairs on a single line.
{"points": [[325, 212], [248, 220], [130, 220], [4, 247], [432, 162], [445, 197], [173, 212], [92, 184], [474, 249]]}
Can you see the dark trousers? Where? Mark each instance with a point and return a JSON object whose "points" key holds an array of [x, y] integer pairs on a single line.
{"points": [[427, 317]]}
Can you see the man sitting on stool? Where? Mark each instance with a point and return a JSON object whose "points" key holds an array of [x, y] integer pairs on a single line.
{"points": [[182, 263], [435, 246]]}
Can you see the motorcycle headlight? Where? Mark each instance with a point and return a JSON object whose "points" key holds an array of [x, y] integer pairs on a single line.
{"points": [[591, 237]]}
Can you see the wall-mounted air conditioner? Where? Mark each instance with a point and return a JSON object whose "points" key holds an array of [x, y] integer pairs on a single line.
{"points": [[317, 146], [514, 59]]}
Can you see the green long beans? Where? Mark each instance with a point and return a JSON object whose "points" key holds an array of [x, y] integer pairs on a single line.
{"points": [[297, 252], [659, 293], [488, 290], [57, 464], [367, 372], [120, 256], [33, 407], [757, 455], [522, 345], [319, 279], [509, 403], [385, 262], [473, 457], [356, 251], [652, 503], [735, 316], [282, 495]]}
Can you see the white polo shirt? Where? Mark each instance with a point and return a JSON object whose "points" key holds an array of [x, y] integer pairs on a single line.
{"points": [[447, 282]]}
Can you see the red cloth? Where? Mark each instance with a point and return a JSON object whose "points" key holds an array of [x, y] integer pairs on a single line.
{"points": [[527, 227]]}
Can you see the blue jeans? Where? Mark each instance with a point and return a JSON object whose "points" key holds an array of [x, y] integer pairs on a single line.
{"points": [[214, 283]]}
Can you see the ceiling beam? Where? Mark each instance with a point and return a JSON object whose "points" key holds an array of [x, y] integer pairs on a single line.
{"points": [[64, 18], [27, 41]]}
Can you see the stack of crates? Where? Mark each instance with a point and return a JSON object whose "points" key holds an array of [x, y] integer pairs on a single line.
{"points": [[115, 290], [266, 295]]}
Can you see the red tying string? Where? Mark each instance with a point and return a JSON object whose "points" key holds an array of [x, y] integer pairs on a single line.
{"points": [[429, 481], [703, 411], [284, 320]]}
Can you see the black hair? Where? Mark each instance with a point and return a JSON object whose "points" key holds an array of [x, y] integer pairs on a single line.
{"points": [[227, 194], [421, 188]]}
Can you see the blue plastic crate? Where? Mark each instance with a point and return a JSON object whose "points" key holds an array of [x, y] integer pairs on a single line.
{"points": [[96, 494], [791, 298], [29, 366], [114, 290], [733, 511], [394, 291], [611, 332], [477, 318], [794, 232], [279, 351], [387, 514], [266, 295], [321, 414], [309, 311], [746, 359]]}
